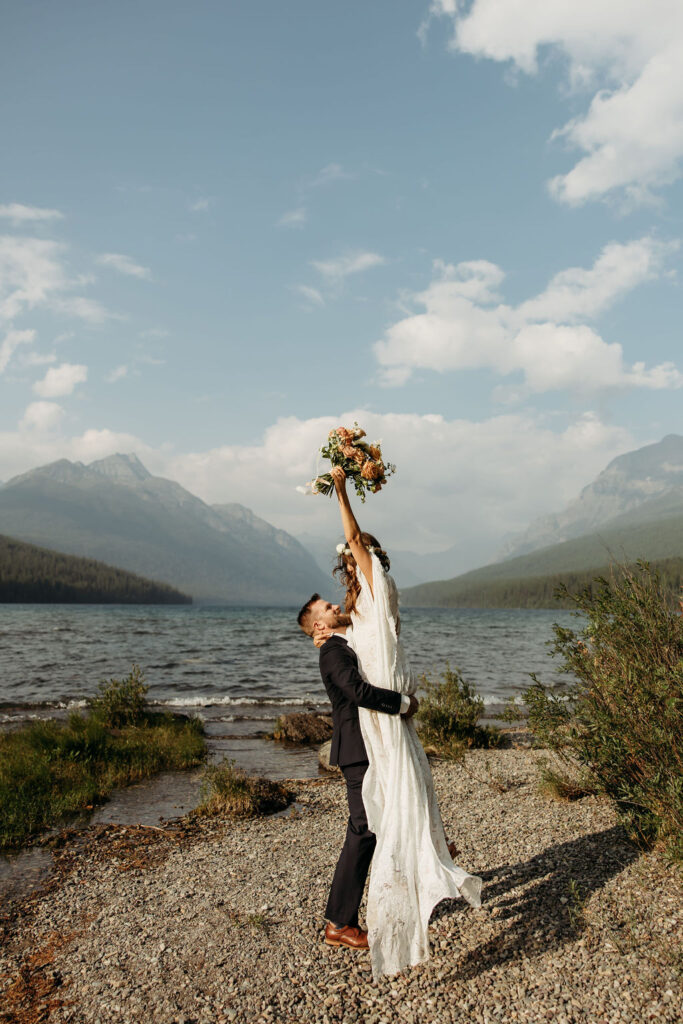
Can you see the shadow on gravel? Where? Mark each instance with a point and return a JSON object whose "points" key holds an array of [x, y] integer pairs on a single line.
{"points": [[536, 920]]}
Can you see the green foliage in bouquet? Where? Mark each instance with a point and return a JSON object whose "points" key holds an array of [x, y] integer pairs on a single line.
{"points": [[621, 716], [362, 462]]}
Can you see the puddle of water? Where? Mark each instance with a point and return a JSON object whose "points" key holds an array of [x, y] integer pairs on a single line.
{"points": [[23, 871]]}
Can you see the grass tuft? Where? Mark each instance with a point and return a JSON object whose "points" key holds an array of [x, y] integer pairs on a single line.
{"points": [[229, 792]]}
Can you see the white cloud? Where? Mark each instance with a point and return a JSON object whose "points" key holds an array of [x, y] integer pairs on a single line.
{"points": [[124, 265], [482, 478], [200, 205], [10, 343], [18, 213], [90, 310], [312, 295], [33, 274], [61, 380], [41, 417], [118, 373], [293, 218], [329, 174], [351, 263], [466, 326], [154, 332], [38, 358], [629, 57], [30, 273]]}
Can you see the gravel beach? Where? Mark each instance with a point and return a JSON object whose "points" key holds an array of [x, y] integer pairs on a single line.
{"points": [[213, 921]]}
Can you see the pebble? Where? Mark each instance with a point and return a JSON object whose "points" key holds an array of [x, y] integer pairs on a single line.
{"points": [[221, 921]]}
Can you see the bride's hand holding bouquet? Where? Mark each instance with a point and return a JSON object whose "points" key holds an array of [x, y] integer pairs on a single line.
{"points": [[354, 459]]}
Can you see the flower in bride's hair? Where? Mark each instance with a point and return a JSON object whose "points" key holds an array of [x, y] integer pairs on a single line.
{"points": [[340, 548]]}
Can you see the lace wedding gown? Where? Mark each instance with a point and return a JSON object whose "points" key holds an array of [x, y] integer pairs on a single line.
{"points": [[412, 869]]}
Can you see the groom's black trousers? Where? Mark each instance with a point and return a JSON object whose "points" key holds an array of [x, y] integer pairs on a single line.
{"points": [[354, 861]]}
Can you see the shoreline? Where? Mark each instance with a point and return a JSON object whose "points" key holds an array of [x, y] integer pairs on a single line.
{"points": [[199, 902]]}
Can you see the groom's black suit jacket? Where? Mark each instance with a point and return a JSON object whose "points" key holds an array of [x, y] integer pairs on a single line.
{"points": [[348, 691]]}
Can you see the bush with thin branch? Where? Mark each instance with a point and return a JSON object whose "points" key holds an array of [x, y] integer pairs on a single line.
{"points": [[621, 715]]}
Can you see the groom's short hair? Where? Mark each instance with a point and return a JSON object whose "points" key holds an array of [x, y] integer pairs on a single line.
{"points": [[305, 616]]}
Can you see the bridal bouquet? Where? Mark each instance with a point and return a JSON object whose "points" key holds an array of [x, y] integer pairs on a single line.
{"points": [[361, 462]]}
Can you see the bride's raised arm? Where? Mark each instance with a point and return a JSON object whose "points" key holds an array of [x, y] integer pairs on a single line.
{"points": [[352, 531]]}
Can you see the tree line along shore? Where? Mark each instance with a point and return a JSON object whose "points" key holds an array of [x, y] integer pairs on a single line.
{"points": [[539, 591], [39, 575]]}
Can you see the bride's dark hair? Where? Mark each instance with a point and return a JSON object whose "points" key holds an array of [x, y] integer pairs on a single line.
{"points": [[346, 570]]}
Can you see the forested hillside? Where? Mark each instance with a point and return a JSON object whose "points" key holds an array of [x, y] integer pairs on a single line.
{"points": [[33, 574], [525, 592]]}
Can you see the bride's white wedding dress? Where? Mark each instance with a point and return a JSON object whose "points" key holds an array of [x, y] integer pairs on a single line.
{"points": [[412, 869]]}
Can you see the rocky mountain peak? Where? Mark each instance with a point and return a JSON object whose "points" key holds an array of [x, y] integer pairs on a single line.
{"points": [[651, 474], [121, 468]]}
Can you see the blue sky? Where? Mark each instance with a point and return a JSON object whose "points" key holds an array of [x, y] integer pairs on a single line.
{"points": [[227, 227]]}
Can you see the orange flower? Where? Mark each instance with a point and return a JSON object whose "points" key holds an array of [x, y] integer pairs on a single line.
{"points": [[375, 452], [349, 451], [359, 455], [345, 436], [371, 471]]}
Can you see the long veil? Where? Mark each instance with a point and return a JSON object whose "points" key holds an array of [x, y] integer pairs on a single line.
{"points": [[412, 869]]}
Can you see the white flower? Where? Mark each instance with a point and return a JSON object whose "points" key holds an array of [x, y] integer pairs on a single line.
{"points": [[340, 549]]}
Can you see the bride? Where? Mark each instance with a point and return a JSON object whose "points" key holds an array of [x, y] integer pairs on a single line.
{"points": [[412, 869]]}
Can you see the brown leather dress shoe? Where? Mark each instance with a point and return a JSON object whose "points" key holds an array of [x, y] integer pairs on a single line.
{"points": [[349, 935]]}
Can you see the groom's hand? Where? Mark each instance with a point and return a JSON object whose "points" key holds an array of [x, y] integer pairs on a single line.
{"points": [[414, 705], [320, 635]]}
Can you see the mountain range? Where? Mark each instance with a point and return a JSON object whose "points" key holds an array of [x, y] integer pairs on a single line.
{"points": [[114, 510], [647, 482], [633, 509]]}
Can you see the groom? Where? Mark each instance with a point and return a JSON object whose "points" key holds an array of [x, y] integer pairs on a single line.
{"points": [[348, 691]]}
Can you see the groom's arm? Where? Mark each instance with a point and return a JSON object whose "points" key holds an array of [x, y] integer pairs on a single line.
{"points": [[338, 665]]}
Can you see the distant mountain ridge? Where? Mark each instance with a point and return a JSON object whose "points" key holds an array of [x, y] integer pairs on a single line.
{"points": [[636, 479], [655, 540], [633, 509], [116, 511]]}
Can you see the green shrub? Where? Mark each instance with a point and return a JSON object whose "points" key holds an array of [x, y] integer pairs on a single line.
{"points": [[50, 770], [120, 701], [226, 790], [448, 715], [621, 715]]}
